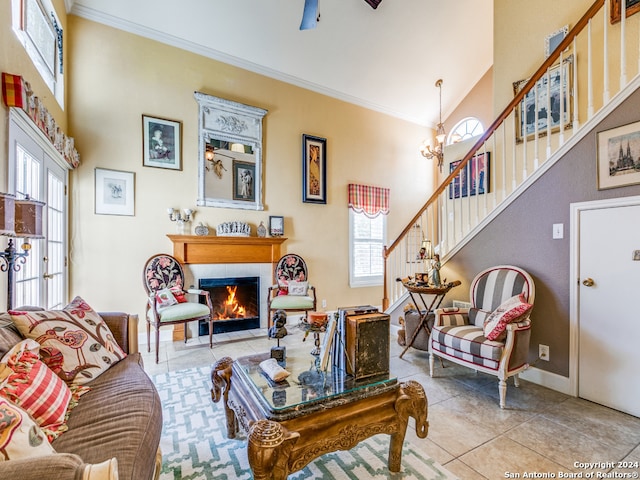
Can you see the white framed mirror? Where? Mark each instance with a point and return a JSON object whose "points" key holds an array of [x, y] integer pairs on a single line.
{"points": [[230, 153]]}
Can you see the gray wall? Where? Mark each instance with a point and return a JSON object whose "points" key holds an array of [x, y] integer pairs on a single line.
{"points": [[521, 235]]}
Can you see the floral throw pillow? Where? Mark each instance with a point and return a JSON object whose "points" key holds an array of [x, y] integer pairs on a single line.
{"points": [[20, 436], [75, 342], [31, 385], [512, 310]]}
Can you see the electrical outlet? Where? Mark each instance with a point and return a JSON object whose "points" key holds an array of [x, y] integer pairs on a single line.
{"points": [[324, 303], [543, 352]]}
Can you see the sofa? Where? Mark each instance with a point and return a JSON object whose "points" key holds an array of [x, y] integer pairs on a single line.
{"points": [[113, 431]]}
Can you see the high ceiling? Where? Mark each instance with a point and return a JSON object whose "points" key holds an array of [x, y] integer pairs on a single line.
{"points": [[386, 59]]}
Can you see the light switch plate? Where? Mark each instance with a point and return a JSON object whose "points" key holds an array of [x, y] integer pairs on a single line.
{"points": [[558, 230]]}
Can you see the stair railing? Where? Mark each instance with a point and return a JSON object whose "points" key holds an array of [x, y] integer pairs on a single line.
{"points": [[497, 167]]}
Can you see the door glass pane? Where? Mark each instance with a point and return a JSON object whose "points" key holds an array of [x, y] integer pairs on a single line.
{"points": [[27, 289], [55, 241]]}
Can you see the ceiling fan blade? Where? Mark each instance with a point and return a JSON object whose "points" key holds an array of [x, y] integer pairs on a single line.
{"points": [[374, 3], [309, 15]]}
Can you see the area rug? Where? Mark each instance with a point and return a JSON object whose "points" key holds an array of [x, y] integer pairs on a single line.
{"points": [[194, 443]]}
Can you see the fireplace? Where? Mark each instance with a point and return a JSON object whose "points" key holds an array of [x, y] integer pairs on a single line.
{"points": [[235, 301]]}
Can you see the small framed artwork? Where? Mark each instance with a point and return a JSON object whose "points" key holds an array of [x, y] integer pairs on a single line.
{"points": [[618, 156], [552, 40], [276, 226], [557, 84], [314, 169], [244, 178], [632, 6], [115, 192], [161, 143], [473, 179]]}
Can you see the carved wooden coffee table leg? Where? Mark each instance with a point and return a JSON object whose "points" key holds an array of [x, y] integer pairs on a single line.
{"points": [[269, 447], [221, 381], [411, 402]]}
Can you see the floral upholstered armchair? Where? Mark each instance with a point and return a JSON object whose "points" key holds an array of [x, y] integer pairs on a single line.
{"points": [[493, 335], [292, 291], [167, 300]]}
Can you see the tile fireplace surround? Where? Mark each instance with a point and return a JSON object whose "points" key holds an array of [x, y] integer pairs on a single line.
{"points": [[222, 257]]}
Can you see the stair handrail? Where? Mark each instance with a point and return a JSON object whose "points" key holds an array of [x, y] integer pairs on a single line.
{"points": [[519, 96]]}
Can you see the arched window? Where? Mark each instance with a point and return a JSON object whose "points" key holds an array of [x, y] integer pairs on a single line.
{"points": [[465, 128]]}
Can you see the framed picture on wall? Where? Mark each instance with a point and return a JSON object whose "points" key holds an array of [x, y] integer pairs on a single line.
{"points": [[552, 40], [161, 143], [473, 179], [314, 169], [632, 6], [115, 192], [618, 156], [541, 105]]}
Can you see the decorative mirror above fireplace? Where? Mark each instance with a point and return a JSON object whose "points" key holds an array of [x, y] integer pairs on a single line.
{"points": [[230, 153]]}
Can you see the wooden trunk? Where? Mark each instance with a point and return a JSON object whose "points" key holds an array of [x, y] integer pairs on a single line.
{"points": [[367, 344]]}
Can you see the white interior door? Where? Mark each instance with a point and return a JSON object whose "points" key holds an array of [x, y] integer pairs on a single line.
{"points": [[609, 302]]}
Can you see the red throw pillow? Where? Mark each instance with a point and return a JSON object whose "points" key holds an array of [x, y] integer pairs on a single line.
{"points": [[512, 310]]}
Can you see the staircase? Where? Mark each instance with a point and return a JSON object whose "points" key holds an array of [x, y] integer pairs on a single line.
{"points": [[576, 86]]}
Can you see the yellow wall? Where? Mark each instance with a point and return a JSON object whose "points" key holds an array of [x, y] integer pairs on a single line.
{"points": [[115, 77]]}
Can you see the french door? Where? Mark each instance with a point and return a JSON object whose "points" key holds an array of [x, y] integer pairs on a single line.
{"points": [[36, 169]]}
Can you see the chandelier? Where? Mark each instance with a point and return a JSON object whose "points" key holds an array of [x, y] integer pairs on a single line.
{"points": [[436, 151]]}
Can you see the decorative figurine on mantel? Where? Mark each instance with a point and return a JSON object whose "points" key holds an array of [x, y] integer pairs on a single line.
{"points": [[262, 230], [278, 331]]}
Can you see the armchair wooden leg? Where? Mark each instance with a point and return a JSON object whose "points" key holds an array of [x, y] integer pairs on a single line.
{"points": [[502, 387], [148, 336], [516, 380], [157, 341], [210, 333], [185, 331], [432, 360]]}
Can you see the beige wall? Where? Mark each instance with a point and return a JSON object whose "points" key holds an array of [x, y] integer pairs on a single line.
{"points": [[110, 90]]}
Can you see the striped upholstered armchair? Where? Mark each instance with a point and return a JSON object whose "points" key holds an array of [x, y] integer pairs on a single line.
{"points": [[493, 335]]}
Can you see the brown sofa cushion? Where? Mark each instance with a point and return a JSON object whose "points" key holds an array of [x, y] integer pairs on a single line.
{"points": [[120, 417]]}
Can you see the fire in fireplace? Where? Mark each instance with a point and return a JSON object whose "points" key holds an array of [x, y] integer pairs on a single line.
{"points": [[235, 303]]}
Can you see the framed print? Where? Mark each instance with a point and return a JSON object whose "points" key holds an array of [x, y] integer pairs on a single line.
{"points": [[618, 156], [161, 143], [552, 40], [546, 95], [632, 6], [244, 175], [314, 169], [115, 192], [473, 179], [276, 226]]}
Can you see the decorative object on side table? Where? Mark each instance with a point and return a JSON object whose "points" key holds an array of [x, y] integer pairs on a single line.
{"points": [[278, 331], [233, 229], [201, 230], [316, 323], [262, 230]]}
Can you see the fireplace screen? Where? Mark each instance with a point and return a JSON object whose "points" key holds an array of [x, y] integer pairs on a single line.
{"points": [[235, 303]]}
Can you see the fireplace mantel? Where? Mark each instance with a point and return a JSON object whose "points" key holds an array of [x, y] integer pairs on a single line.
{"points": [[197, 249]]}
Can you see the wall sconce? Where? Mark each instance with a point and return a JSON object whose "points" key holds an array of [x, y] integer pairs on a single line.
{"points": [[23, 219], [437, 152], [176, 216]]}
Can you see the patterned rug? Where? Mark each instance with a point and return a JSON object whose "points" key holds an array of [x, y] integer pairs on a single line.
{"points": [[194, 443]]}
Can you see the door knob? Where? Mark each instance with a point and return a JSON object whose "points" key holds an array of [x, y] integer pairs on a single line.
{"points": [[588, 282]]}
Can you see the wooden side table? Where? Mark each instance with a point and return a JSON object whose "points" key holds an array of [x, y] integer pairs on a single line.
{"points": [[419, 290]]}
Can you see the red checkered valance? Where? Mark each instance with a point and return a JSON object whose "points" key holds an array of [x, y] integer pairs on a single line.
{"points": [[372, 201]]}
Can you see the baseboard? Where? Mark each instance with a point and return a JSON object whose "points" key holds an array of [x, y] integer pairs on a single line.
{"points": [[547, 379]]}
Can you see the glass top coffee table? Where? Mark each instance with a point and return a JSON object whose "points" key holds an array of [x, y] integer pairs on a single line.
{"points": [[290, 423]]}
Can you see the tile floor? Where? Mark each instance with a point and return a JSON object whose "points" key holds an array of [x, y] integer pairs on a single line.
{"points": [[541, 432]]}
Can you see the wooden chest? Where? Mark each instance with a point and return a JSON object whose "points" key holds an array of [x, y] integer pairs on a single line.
{"points": [[367, 344]]}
